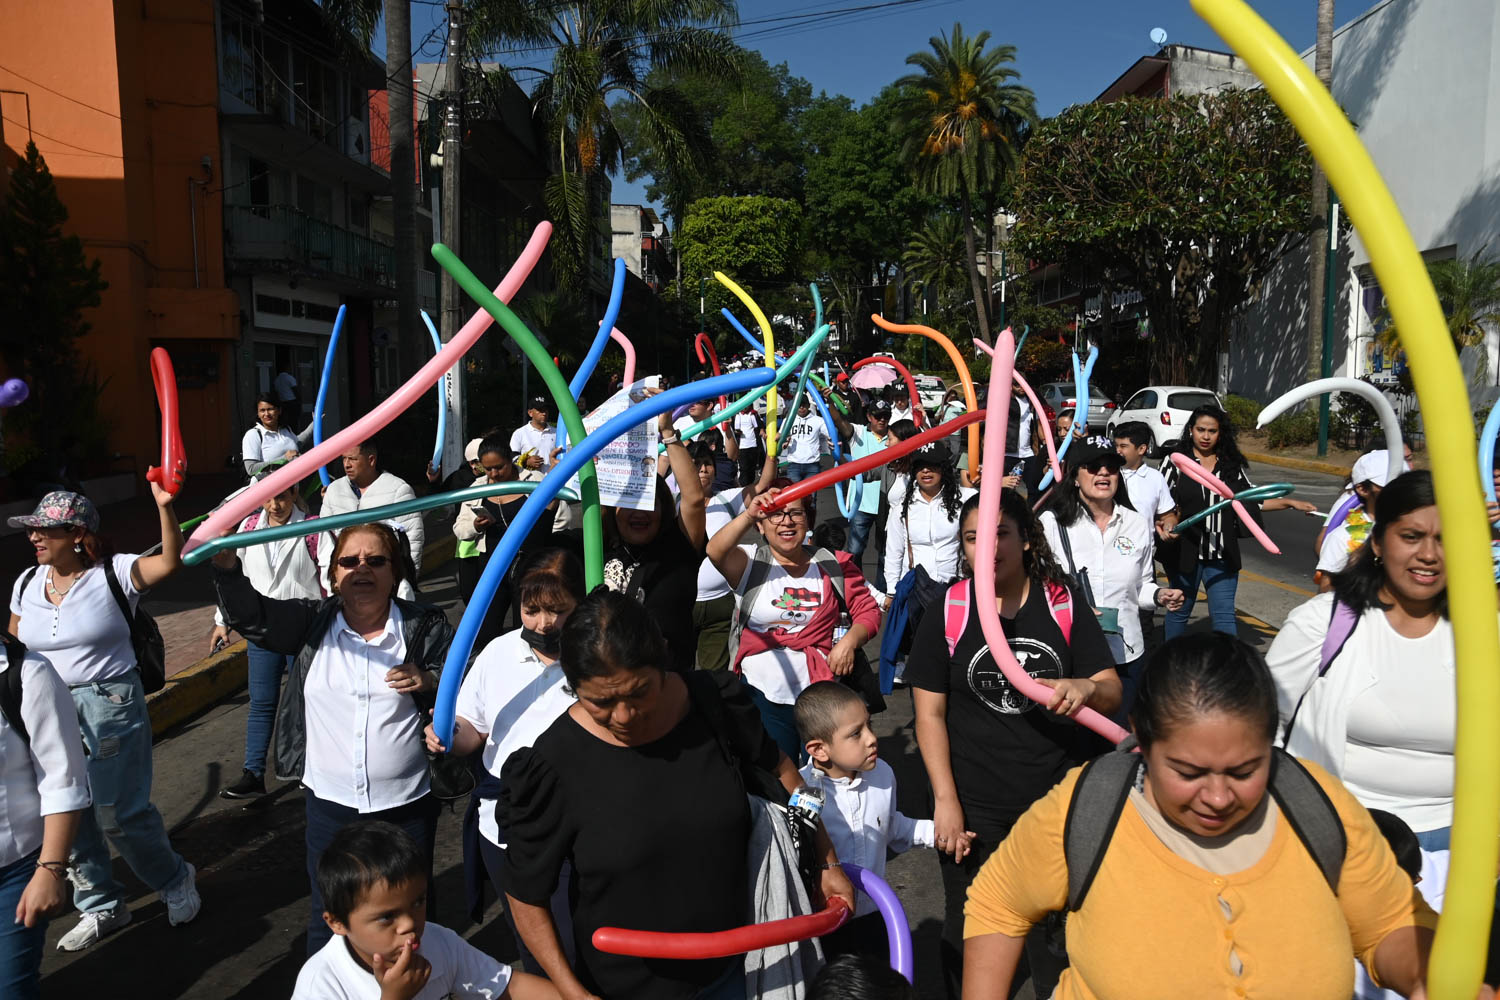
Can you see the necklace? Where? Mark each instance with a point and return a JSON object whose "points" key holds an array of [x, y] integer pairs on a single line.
{"points": [[53, 592]]}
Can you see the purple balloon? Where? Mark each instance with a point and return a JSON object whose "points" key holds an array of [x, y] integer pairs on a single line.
{"points": [[897, 929], [13, 392], [1344, 510]]}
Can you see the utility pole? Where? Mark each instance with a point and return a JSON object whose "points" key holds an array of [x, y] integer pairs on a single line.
{"points": [[450, 306]]}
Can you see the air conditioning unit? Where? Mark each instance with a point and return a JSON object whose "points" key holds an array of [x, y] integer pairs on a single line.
{"points": [[357, 140]]}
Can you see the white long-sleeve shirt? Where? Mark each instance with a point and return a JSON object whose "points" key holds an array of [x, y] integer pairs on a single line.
{"points": [[863, 822], [1119, 563], [931, 532], [284, 570], [50, 776], [341, 498]]}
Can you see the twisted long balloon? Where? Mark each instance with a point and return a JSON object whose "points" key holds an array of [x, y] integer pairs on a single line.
{"points": [[959, 364], [770, 354], [1039, 414], [442, 397], [596, 349], [1194, 471], [323, 383], [918, 417], [740, 329], [629, 349], [580, 456], [1388, 420], [703, 346], [1081, 376]]}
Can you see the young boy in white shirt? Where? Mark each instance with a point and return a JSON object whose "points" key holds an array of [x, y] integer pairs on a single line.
{"points": [[859, 802], [373, 878]]}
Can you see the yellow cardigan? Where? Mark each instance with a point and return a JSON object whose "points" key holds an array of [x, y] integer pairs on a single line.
{"points": [[1152, 926]]}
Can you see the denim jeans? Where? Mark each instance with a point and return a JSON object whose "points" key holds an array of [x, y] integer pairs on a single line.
{"points": [[20, 946], [1220, 583], [798, 471], [117, 736], [1430, 840], [324, 819], [859, 534], [780, 723], [266, 669]]}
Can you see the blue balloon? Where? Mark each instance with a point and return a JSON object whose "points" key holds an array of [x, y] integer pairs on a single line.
{"points": [[531, 511], [791, 417], [1081, 376], [333, 345], [596, 349], [755, 345], [847, 504], [1487, 452], [442, 397]]}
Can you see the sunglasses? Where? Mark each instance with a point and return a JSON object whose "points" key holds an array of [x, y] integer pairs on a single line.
{"points": [[374, 562], [1094, 468]]}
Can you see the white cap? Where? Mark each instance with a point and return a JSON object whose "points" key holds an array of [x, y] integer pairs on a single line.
{"points": [[471, 450], [1371, 467]]}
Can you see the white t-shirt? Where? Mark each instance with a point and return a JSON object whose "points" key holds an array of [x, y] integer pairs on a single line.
{"points": [[364, 740], [1149, 493], [528, 438], [511, 696], [722, 508], [900, 410], [1333, 554], [286, 387], [807, 440], [48, 777], [785, 605], [260, 445], [747, 430], [460, 971], [86, 637]]}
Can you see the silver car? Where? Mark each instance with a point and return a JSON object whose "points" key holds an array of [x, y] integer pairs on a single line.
{"points": [[1058, 396]]}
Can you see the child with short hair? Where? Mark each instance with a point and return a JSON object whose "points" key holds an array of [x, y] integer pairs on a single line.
{"points": [[859, 977], [373, 878], [859, 807], [1147, 487]]}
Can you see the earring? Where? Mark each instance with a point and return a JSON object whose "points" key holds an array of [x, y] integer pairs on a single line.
{"points": [[78, 548], [1378, 560]]}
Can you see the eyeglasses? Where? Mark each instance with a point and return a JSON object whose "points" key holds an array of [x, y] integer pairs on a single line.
{"points": [[1095, 468], [374, 562], [786, 516]]}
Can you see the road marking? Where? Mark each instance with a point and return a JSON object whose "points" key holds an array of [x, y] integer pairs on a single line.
{"points": [[1277, 583]]}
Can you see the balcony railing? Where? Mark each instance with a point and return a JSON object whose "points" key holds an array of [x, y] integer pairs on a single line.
{"points": [[287, 235]]}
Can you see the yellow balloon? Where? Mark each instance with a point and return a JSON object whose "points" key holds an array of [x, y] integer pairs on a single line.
{"points": [[1458, 955], [770, 345]]}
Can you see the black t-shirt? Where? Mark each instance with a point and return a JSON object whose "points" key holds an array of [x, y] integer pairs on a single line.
{"points": [[657, 836], [1007, 751]]}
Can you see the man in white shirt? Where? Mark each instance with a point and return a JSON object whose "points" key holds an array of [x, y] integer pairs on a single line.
{"points": [[900, 406], [533, 441], [1149, 493], [695, 412], [748, 429], [288, 392], [806, 443], [364, 486]]}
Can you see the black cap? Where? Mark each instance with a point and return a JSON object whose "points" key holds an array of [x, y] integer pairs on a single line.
{"points": [[540, 403], [879, 408], [1090, 450], [932, 453]]}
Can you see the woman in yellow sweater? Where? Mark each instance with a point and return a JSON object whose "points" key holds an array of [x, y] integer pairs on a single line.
{"points": [[1203, 888]]}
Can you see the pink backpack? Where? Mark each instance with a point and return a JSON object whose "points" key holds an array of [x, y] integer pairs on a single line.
{"points": [[956, 611]]}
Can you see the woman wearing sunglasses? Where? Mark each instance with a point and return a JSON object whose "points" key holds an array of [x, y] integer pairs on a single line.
{"points": [[349, 724], [788, 631]]}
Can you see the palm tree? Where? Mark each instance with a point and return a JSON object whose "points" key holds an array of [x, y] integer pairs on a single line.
{"points": [[1469, 292], [962, 121], [601, 51], [935, 254]]}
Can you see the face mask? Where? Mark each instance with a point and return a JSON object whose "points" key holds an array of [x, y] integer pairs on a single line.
{"points": [[543, 642]]}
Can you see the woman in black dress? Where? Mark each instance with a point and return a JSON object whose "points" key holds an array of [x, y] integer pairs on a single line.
{"points": [[633, 787]]}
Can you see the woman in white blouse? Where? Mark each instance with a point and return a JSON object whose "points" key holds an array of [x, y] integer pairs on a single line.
{"points": [[349, 724], [513, 692], [71, 608], [1105, 545], [1364, 674], [44, 792], [285, 569], [268, 441], [922, 528]]}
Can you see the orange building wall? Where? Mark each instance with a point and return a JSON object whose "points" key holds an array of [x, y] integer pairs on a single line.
{"points": [[123, 101]]}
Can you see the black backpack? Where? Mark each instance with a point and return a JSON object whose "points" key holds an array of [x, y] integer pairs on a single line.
{"points": [[1105, 784], [145, 638], [10, 687]]}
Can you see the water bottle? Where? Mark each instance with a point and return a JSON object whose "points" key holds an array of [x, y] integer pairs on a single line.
{"points": [[803, 810]]}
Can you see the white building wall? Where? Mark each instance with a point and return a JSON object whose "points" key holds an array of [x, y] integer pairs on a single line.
{"points": [[625, 223]]}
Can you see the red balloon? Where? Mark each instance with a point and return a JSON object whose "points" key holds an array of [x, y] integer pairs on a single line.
{"points": [[721, 944], [917, 415], [704, 342], [173, 471], [849, 470]]}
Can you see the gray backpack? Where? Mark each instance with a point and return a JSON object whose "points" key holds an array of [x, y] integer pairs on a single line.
{"points": [[1105, 784]]}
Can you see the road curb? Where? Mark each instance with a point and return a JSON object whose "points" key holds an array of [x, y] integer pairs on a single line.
{"points": [[198, 688], [1304, 464]]}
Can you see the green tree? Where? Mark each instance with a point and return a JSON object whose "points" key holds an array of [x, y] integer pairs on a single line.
{"points": [[603, 51], [1469, 292], [962, 124], [935, 255], [753, 240], [46, 282], [1189, 200]]}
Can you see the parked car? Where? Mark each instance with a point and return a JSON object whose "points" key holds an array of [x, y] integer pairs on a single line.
{"points": [[1164, 409], [930, 391], [1058, 396]]}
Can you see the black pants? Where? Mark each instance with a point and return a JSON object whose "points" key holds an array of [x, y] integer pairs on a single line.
{"points": [[861, 936], [751, 460], [1045, 965]]}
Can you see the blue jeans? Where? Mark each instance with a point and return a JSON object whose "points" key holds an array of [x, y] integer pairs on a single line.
{"points": [[1220, 583], [860, 527], [780, 723], [117, 736], [798, 471], [20, 946], [324, 819], [1430, 840], [266, 669]]}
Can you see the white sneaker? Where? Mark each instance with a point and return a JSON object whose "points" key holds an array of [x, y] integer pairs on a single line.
{"points": [[182, 899], [94, 926]]}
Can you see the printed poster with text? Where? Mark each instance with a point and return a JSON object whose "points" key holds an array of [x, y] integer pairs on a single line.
{"points": [[627, 465]]}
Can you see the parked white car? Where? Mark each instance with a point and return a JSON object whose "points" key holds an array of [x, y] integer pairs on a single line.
{"points": [[930, 391], [1164, 409]]}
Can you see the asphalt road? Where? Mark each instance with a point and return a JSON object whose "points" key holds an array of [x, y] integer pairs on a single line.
{"points": [[248, 941]]}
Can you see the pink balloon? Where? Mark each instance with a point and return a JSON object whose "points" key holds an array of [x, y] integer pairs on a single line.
{"points": [[288, 475], [629, 348], [1036, 407], [1194, 471], [1002, 371]]}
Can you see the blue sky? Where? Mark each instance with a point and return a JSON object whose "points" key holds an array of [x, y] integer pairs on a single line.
{"points": [[1067, 50]]}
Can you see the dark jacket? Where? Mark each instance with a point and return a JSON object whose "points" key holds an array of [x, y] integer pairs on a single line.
{"points": [[297, 628]]}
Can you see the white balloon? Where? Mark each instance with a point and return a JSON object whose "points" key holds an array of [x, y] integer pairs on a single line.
{"points": [[1388, 422]]}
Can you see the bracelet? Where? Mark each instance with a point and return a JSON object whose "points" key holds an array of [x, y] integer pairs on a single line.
{"points": [[674, 439], [826, 866], [59, 869]]}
